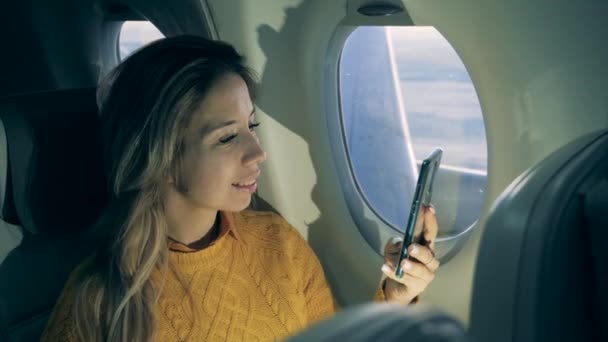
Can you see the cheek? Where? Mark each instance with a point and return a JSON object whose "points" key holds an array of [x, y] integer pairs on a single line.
{"points": [[207, 171]]}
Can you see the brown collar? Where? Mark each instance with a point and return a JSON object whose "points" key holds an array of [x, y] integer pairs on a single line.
{"points": [[226, 226]]}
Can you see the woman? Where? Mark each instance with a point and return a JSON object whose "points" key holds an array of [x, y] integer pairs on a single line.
{"points": [[179, 258]]}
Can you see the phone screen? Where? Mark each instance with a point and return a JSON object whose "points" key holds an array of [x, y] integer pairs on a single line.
{"points": [[422, 197]]}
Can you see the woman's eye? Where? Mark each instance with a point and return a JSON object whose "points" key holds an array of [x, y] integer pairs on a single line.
{"points": [[252, 126], [227, 139]]}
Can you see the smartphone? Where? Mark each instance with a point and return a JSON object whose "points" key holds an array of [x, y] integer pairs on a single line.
{"points": [[422, 197]]}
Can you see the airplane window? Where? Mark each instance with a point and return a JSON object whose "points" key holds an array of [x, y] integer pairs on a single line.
{"points": [[135, 34], [404, 91]]}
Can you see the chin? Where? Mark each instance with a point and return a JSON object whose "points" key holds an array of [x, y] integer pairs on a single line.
{"points": [[237, 205]]}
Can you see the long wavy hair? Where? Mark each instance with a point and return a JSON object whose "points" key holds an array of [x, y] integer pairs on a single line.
{"points": [[145, 103]]}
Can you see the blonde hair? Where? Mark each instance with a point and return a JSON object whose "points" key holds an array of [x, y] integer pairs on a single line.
{"points": [[145, 103]]}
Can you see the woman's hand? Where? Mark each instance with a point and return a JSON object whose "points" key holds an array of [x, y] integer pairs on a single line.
{"points": [[419, 269]]}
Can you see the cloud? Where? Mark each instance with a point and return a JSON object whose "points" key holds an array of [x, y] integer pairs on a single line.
{"points": [[423, 45]]}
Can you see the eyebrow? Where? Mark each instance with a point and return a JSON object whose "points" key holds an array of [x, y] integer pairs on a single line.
{"points": [[208, 129]]}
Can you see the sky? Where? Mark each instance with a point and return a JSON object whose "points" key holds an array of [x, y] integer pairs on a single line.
{"points": [[440, 101]]}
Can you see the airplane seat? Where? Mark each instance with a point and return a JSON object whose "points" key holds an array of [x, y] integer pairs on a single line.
{"points": [[541, 269], [51, 189], [386, 322]]}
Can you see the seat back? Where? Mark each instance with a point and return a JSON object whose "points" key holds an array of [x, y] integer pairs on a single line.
{"points": [[541, 273], [51, 189], [386, 322]]}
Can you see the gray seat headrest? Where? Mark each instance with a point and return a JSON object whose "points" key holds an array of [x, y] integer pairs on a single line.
{"points": [[55, 173], [10, 235], [541, 262], [3, 166]]}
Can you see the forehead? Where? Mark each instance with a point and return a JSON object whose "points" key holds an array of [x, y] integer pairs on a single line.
{"points": [[228, 99]]}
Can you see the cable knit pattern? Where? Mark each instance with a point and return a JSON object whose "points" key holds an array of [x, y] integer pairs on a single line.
{"points": [[258, 281]]}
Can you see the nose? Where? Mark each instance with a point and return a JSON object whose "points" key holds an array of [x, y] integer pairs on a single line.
{"points": [[254, 155]]}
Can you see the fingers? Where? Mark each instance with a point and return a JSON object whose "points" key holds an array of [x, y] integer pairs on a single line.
{"points": [[392, 250], [397, 292], [419, 227], [428, 228], [408, 283], [393, 246], [417, 270], [424, 255], [412, 269], [414, 281], [431, 226]]}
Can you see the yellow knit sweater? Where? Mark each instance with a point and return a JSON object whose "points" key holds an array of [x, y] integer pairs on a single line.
{"points": [[258, 281]]}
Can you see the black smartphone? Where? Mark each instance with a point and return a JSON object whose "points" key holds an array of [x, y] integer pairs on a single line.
{"points": [[422, 197]]}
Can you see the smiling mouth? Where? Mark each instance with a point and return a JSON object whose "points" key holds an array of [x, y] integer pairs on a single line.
{"points": [[249, 181], [245, 184], [248, 185]]}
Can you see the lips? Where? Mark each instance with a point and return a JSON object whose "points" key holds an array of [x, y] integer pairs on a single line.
{"points": [[249, 183], [245, 183], [248, 180]]}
